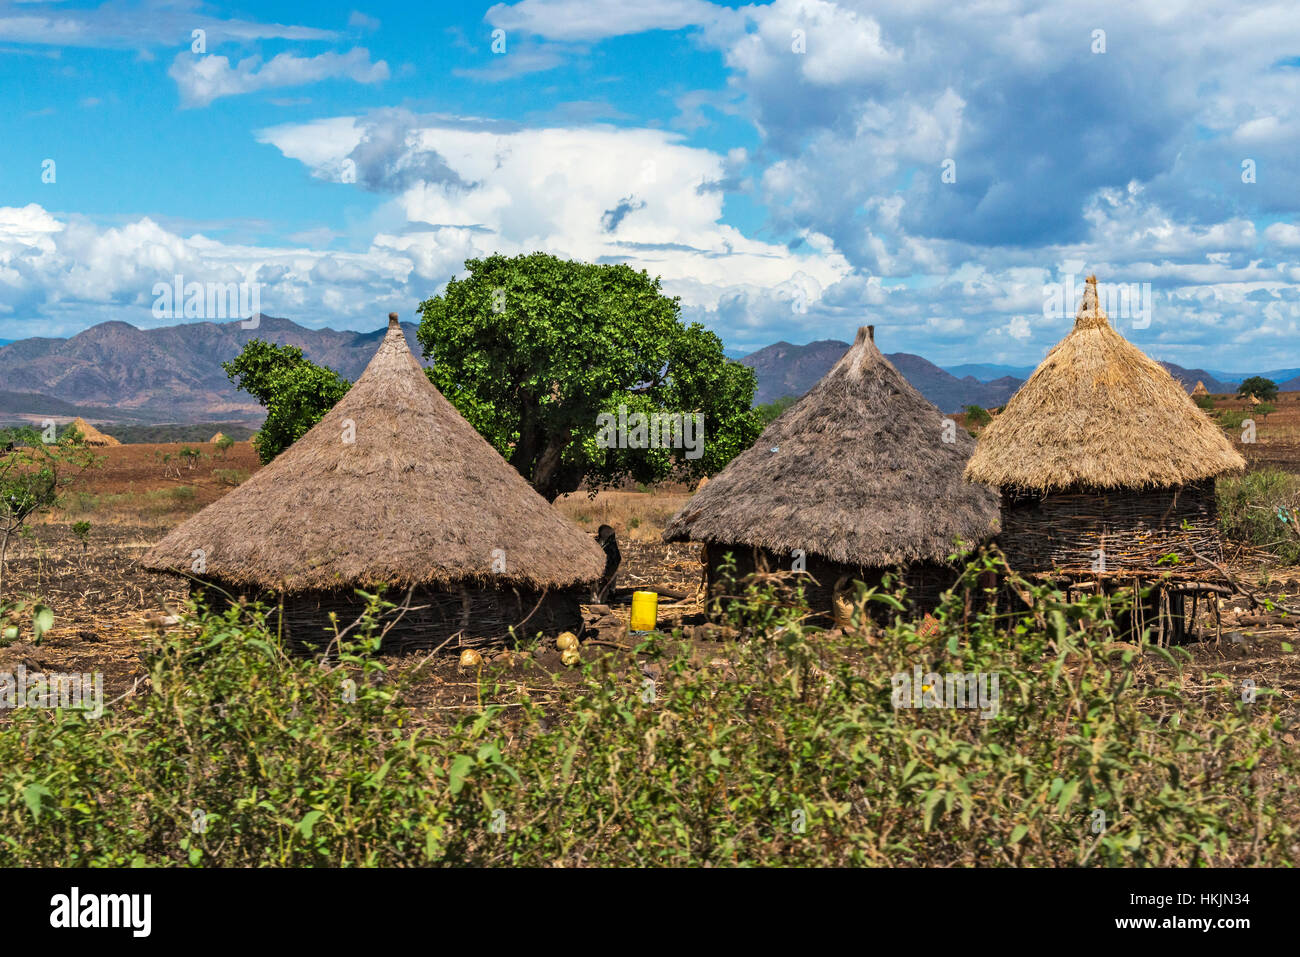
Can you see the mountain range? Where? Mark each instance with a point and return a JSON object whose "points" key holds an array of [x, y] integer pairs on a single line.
{"points": [[114, 372]]}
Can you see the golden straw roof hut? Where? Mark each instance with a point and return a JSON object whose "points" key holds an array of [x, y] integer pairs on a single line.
{"points": [[218, 437], [861, 475], [1102, 449], [393, 487], [91, 435], [1200, 391]]}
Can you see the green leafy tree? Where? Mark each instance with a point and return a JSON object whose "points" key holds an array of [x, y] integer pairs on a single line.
{"points": [[977, 415], [768, 412], [295, 391], [1263, 389], [533, 349]]}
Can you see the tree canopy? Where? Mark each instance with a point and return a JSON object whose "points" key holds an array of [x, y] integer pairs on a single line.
{"points": [[1263, 389], [295, 391], [556, 362]]}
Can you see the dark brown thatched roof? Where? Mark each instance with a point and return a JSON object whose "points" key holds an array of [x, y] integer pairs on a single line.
{"points": [[418, 497], [857, 471], [1100, 414]]}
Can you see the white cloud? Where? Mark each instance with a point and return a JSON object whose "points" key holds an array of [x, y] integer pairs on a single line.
{"points": [[596, 193], [202, 79]]}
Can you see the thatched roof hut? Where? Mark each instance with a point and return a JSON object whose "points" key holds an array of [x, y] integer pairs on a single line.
{"points": [[1102, 449], [393, 487], [1200, 391], [91, 435], [862, 473], [218, 437]]}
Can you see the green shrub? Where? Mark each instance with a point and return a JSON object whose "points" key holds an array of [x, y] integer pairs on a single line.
{"points": [[1206, 402], [788, 751], [977, 415], [1259, 509]]}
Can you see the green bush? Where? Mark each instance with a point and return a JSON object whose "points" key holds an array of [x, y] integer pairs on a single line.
{"points": [[1259, 509], [977, 415], [787, 750]]}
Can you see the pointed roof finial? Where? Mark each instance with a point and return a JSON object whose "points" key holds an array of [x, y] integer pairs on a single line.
{"points": [[1090, 312], [392, 320]]}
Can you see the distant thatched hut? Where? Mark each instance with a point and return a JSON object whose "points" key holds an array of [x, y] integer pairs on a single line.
{"points": [[1200, 392], [391, 488], [217, 438], [1104, 462], [91, 435], [860, 476]]}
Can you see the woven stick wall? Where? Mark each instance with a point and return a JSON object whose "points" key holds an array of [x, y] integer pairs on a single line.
{"points": [[471, 616], [1134, 528], [925, 581]]}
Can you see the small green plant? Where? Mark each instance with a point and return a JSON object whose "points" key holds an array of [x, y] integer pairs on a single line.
{"points": [[82, 532], [190, 456], [977, 415], [1206, 402], [231, 477]]}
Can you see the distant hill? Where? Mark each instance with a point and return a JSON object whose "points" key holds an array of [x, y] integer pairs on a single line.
{"points": [[784, 369], [987, 373], [116, 373], [168, 374]]}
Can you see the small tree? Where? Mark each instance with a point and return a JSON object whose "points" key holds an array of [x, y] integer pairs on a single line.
{"points": [[224, 445], [1263, 389], [977, 415], [295, 391], [31, 477]]}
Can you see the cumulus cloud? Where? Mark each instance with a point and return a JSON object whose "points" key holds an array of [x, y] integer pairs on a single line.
{"points": [[202, 79], [597, 193]]}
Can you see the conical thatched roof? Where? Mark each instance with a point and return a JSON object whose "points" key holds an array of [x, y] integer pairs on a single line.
{"points": [[1200, 390], [1252, 399], [391, 486], [91, 435], [218, 437], [1097, 413], [857, 471]]}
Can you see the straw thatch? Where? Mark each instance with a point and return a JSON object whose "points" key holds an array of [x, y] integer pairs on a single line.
{"points": [[218, 437], [1099, 414], [91, 435], [861, 471], [1252, 398], [391, 487], [1200, 391]]}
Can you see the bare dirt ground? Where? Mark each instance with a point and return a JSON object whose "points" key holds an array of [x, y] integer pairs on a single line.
{"points": [[103, 599]]}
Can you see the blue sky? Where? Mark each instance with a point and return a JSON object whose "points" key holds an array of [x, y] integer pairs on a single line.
{"points": [[791, 169]]}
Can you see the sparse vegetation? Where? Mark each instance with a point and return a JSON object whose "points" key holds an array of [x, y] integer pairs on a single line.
{"points": [[1262, 509], [1094, 757]]}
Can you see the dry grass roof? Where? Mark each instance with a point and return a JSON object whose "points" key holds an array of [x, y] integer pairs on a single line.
{"points": [[857, 471], [91, 435], [1099, 414], [417, 497]]}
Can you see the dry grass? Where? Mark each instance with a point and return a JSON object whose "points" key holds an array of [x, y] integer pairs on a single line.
{"points": [[861, 471], [1099, 414], [391, 486], [636, 516]]}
